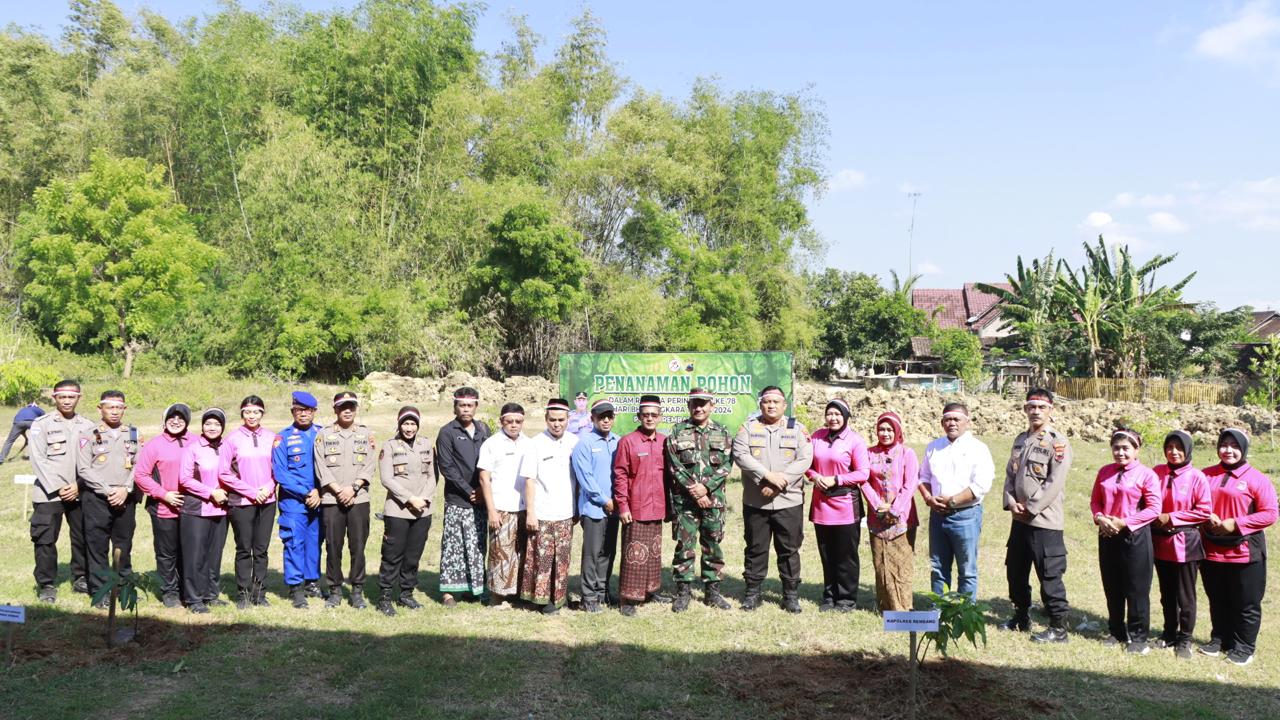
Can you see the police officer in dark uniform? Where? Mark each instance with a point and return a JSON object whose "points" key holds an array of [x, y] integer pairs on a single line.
{"points": [[1033, 485], [346, 458], [105, 468]]}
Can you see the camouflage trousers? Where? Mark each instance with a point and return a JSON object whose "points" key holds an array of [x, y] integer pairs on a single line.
{"points": [[696, 527]]}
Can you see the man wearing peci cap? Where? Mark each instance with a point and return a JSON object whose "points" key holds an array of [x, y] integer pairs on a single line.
{"points": [[549, 511], [345, 462], [698, 458], [503, 491], [956, 474], [462, 542], [1033, 483], [592, 462], [104, 465], [774, 452], [293, 463], [156, 475], [640, 494], [54, 439]]}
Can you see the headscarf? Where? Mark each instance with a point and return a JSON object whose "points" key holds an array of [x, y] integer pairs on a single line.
{"points": [[1241, 438], [1184, 439], [843, 408], [894, 420]]}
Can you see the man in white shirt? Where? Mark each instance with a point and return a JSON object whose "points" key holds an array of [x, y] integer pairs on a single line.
{"points": [[955, 475], [549, 491], [503, 490]]}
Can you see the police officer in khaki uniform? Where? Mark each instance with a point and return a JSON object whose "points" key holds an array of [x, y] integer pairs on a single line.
{"points": [[1033, 484], [345, 462], [53, 440], [104, 465], [774, 452], [407, 469]]}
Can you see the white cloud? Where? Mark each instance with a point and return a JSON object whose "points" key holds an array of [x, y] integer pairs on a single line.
{"points": [[848, 179], [1166, 222], [1248, 204], [928, 268], [1136, 245], [1098, 219], [1250, 37], [1128, 199], [909, 187]]}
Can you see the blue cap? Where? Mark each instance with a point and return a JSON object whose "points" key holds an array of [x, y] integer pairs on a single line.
{"points": [[305, 399]]}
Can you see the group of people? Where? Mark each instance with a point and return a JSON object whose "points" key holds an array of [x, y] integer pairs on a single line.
{"points": [[512, 502]]}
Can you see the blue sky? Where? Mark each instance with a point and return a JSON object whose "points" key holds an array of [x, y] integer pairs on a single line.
{"points": [[1025, 127]]}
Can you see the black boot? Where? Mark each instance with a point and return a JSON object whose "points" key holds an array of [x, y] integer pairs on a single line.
{"points": [[751, 598], [260, 596], [298, 595], [384, 604], [408, 601], [312, 588], [80, 585], [711, 597], [682, 598], [357, 598], [1055, 633], [791, 598], [1020, 622], [243, 600]]}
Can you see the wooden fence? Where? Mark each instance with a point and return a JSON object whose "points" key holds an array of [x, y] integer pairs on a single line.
{"points": [[1139, 390]]}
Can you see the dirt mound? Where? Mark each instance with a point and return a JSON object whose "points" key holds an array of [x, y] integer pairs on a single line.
{"points": [[388, 389], [997, 415]]}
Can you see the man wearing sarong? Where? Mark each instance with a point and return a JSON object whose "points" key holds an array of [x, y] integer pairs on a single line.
{"points": [[640, 497], [549, 492], [462, 543], [503, 492]]}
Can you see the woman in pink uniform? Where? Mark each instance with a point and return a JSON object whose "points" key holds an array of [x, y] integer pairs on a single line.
{"points": [[1235, 550], [1126, 498], [245, 473], [891, 513], [839, 467], [1178, 550], [204, 515]]}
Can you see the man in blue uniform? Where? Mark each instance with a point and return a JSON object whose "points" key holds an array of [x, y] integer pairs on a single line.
{"points": [[293, 464], [21, 424]]}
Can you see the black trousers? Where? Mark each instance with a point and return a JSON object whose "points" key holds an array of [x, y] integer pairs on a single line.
{"points": [[107, 529], [1178, 598], [838, 549], [46, 526], [402, 543], [599, 545], [202, 541], [1044, 550], [252, 525], [19, 430], [349, 524], [1127, 562], [165, 540], [1235, 593], [786, 529]]}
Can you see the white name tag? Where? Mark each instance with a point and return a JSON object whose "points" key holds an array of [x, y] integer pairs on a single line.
{"points": [[24, 479], [13, 613], [911, 621]]}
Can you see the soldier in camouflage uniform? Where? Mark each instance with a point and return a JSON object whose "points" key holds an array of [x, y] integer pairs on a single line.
{"points": [[698, 458]]}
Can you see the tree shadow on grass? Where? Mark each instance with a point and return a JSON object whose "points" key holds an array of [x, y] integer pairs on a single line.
{"points": [[211, 668]]}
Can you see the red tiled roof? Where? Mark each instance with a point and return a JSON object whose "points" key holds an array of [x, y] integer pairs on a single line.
{"points": [[921, 347], [980, 304], [953, 313]]}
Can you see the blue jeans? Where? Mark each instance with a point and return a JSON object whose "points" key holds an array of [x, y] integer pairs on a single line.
{"points": [[955, 537]]}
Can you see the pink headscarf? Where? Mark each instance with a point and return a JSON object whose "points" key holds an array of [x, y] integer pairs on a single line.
{"points": [[895, 420]]}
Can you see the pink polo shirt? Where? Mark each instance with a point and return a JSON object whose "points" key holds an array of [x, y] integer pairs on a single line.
{"points": [[845, 459], [895, 473], [1246, 495], [245, 459], [1130, 492], [1185, 497], [157, 469], [199, 476]]}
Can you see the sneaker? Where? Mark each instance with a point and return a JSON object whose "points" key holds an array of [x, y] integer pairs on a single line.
{"points": [[1050, 635], [80, 585], [845, 607], [1236, 657], [1137, 647], [627, 609], [386, 608], [172, 601], [1017, 623], [408, 601], [47, 594], [1161, 643], [1213, 648], [1183, 651], [334, 599], [550, 609], [198, 608]]}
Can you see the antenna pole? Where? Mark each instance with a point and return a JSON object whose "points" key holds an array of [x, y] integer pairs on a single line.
{"points": [[911, 229]]}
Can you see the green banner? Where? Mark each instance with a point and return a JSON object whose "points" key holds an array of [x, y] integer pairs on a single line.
{"points": [[622, 378]]}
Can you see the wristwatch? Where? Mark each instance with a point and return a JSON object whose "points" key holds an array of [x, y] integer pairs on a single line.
{"points": [[951, 503]]}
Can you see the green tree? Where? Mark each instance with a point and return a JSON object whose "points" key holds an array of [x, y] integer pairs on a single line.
{"points": [[861, 321], [1033, 308], [108, 257], [1266, 369], [961, 353]]}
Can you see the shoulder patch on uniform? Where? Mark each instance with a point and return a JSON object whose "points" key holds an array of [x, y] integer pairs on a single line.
{"points": [[276, 442]]}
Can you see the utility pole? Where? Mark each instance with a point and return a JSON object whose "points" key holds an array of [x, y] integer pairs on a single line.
{"points": [[911, 230]]}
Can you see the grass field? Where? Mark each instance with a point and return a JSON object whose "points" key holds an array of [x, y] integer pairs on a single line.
{"points": [[473, 662]]}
